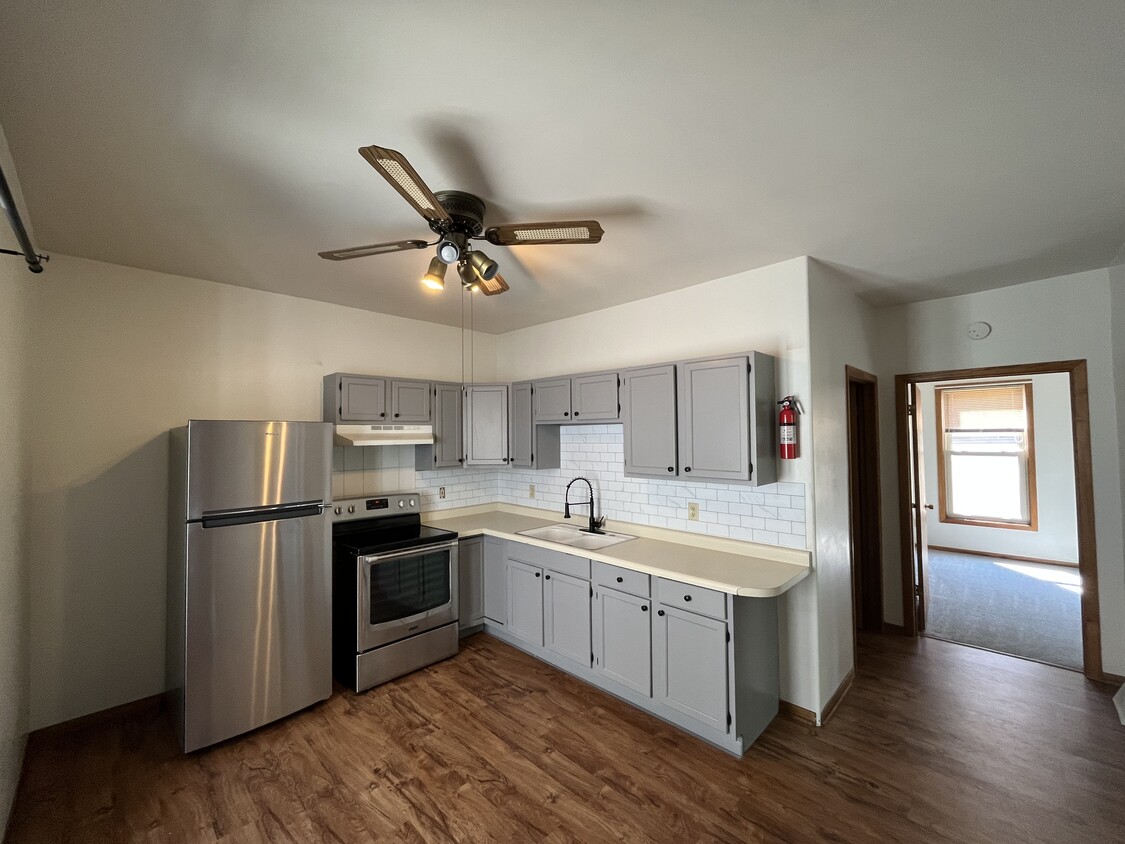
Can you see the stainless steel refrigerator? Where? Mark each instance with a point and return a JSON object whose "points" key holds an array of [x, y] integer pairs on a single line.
{"points": [[249, 580]]}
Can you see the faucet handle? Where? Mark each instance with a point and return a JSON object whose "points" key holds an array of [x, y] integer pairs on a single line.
{"points": [[599, 522]]}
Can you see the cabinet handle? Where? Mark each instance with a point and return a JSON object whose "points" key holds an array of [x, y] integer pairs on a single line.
{"points": [[686, 597], [545, 577], [660, 612], [644, 608], [687, 468], [620, 580], [537, 574], [671, 468]]}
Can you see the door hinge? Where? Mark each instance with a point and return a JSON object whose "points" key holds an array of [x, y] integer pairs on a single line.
{"points": [[917, 590], [910, 410], [728, 720], [728, 635], [532, 458], [619, 408]]}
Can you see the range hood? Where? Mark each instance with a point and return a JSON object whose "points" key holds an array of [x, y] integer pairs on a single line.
{"points": [[384, 434]]}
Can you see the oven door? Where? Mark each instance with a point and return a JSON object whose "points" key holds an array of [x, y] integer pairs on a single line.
{"points": [[404, 593]]}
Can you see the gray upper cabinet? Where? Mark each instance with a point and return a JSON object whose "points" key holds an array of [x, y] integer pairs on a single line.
{"points": [[486, 425], [649, 416], [410, 401], [566, 616], [715, 419], [552, 400], [623, 639], [533, 446], [355, 398], [594, 397], [449, 442], [689, 658]]}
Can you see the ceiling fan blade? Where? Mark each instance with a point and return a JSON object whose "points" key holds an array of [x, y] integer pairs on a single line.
{"points": [[492, 286], [572, 231], [373, 249], [394, 167]]}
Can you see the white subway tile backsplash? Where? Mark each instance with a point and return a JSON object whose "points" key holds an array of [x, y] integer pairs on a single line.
{"points": [[773, 514]]}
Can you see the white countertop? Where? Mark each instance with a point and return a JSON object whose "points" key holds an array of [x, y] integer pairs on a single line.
{"points": [[750, 573]]}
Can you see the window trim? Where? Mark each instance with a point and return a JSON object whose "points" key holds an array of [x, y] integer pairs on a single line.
{"points": [[942, 458]]}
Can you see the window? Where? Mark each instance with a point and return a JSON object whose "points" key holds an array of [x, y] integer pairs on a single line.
{"points": [[986, 463]]}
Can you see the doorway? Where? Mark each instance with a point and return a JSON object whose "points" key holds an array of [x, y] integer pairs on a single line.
{"points": [[911, 412], [864, 500]]}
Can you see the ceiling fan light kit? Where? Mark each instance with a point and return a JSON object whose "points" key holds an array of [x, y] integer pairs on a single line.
{"points": [[457, 217]]}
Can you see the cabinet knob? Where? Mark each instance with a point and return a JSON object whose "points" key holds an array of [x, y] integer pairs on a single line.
{"points": [[537, 574], [545, 577], [671, 468], [566, 413], [660, 612], [576, 413], [381, 415], [687, 468], [396, 416], [644, 608], [620, 580], [687, 597]]}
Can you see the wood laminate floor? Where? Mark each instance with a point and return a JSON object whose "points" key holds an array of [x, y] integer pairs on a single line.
{"points": [[935, 742]]}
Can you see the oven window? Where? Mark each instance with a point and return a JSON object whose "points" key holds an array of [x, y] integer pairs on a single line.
{"points": [[409, 585]]}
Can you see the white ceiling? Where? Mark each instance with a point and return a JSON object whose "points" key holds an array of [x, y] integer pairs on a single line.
{"points": [[923, 148]]}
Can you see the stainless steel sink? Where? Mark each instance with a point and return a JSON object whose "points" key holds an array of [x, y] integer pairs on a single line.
{"points": [[575, 537]]}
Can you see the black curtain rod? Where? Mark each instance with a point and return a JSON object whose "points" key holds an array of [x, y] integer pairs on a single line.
{"points": [[34, 260]]}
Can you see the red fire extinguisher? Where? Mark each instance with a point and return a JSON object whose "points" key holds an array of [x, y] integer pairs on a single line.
{"points": [[787, 428]]}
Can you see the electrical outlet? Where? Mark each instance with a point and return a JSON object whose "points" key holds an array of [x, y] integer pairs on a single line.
{"points": [[441, 492], [693, 511], [531, 490]]}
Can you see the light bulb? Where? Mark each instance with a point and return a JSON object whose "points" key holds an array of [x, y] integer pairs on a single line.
{"points": [[435, 275]]}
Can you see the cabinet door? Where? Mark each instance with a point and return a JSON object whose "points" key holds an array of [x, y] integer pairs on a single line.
{"points": [[525, 602], [649, 407], [690, 665], [715, 419], [486, 425], [594, 397], [623, 639], [363, 399], [523, 426], [470, 584], [566, 616], [448, 433], [410, 401], [552, 400], [495, 581]]}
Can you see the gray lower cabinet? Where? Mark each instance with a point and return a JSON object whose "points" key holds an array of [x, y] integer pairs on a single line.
{"points": [[470, 584], [486, 425], [623, 639], [566, 616], [495, 592], [689, 658], [648, 399], [525, 602]]}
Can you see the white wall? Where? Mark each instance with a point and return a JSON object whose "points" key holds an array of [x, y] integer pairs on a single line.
{"points": [[14, 281], [120, 356], [764, 310], [1057, 536], [843, 333], [1055, 319]]}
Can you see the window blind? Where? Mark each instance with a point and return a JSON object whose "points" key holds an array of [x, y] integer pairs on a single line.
{"points": [[999, 407]]}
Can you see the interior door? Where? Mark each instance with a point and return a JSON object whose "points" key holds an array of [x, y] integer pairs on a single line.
{"points": [[918, 506]]}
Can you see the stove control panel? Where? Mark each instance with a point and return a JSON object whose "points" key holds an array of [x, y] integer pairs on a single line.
{"points": [[375, 506]]}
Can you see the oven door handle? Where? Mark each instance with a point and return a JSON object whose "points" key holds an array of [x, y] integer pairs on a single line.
{"points": [[376, 559]]}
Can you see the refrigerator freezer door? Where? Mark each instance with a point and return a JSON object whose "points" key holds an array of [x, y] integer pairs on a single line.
{"points": [[259, 625], [236, 465]]}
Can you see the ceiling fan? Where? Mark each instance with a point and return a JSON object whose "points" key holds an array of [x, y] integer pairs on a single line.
{"points": [[456, 218]]}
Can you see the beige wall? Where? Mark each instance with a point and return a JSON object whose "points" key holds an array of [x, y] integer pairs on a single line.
{"points": [[14, 282], [1055, 319], [843, 333], [120, 356], [764, 310]]}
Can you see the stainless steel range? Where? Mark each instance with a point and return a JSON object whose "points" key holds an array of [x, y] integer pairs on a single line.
{"points": [[394, 590]]}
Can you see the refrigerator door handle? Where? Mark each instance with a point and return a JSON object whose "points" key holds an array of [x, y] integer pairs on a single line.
{"points": [[249, 516]]}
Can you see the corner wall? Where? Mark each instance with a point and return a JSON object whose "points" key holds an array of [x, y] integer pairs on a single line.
{"points": [[1063, 318], [843, 333], [121, 355]]}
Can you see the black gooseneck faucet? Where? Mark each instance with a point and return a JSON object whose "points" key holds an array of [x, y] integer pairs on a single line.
{"points": [[595, 524]]}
